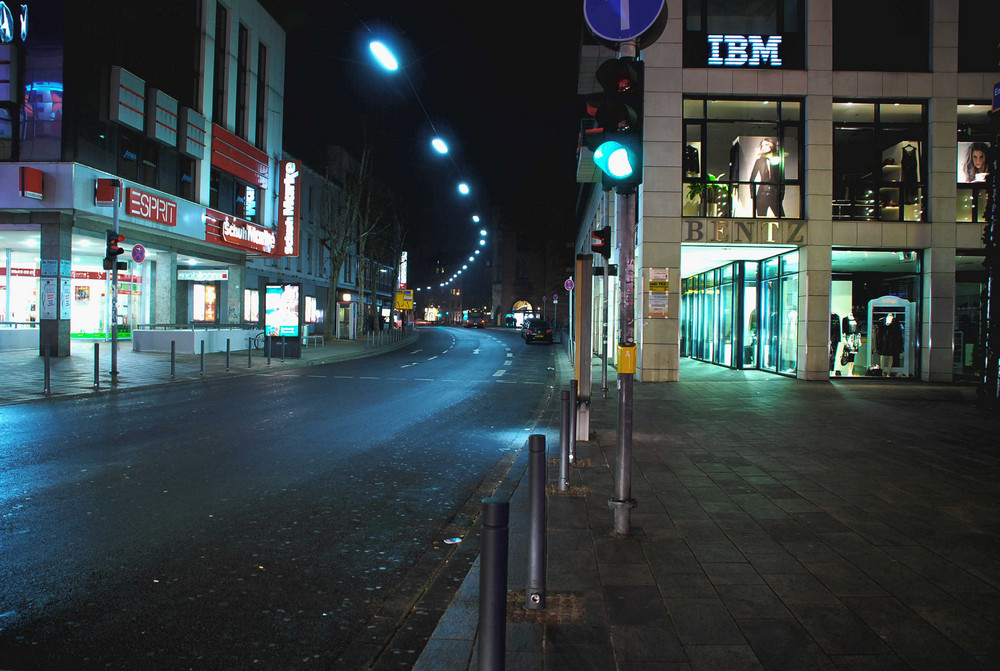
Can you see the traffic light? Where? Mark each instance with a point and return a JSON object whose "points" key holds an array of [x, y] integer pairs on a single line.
{"points": [[113, 250], [601, 242], [617, 140]]}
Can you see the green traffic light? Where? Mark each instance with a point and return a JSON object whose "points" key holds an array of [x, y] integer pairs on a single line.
{"points": [[614, 159]]}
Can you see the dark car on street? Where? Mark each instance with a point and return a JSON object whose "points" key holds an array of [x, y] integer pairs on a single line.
{"points": [[536, 330]]}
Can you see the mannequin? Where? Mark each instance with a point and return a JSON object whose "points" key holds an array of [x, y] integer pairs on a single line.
{"points": [[888, 341], [766, 179]]}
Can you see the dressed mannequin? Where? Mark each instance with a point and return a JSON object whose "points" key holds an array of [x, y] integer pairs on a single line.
{"points": [[888, 342]]}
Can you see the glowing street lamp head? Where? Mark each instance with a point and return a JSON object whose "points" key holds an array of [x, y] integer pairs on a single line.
{"points": [[439, 145], [463, 189], [482, 243], [482, 232], [384, 56], [475, 218]]}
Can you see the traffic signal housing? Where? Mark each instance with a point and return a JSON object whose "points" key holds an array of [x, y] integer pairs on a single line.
{"points": [[601, 242], [617, 139], [113, 249]]}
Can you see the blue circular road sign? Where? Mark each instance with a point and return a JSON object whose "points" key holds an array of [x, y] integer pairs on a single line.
{"points": [[621, 20]]}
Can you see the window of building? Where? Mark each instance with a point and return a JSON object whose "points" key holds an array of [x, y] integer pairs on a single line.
{"points": [[251, 305], [242, 74], [219, 79], [973, 165], [879, 170], [777, 26], [232, 196], [742, 158], [8, 117], [185, 168], [129, 153], [150, 161], [892, 35], [977, 37], [260, 134]]}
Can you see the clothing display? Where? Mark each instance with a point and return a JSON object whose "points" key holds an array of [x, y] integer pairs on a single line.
{"points": [[909, 165], [888, 337], [766, 190], [692, 164]]}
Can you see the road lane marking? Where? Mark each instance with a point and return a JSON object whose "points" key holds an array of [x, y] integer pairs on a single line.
{"points": [[344, 377], [365, 377], [499, 373], [433, 357], [322, 376], [510, 355], [417, 351]]}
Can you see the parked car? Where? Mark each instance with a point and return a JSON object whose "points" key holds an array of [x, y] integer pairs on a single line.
{"points": [[536, 330]]}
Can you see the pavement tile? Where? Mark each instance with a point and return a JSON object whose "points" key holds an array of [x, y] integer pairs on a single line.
{"points": [[732, 573], [703, 621], [837, 630], [647, 644], [752, 601], [685, 585], [626, 574], [870, 663], [784, 645], [845, 579], [635, 605], [728, 657]]}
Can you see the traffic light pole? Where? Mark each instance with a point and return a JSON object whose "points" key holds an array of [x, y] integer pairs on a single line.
{"points": [[114, 294], [607, 302]]}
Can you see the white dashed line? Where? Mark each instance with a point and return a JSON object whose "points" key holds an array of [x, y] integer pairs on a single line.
{"points": [[433, 357], [499, 373]]}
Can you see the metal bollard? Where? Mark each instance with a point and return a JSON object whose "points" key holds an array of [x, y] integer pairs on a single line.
{"points": [[173, 359], [573, 402], [564, 418], [283, 350], [535, 592], [48, 371], [202, 357], [228, 353], [250, 352], [268, 341], [493, 585], [97, 366]]}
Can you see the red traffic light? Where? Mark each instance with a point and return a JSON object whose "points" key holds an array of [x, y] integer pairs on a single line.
{"points": [[113, 248], [601, 241]]}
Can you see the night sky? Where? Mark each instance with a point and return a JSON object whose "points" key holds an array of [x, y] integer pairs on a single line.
{"points": [[497, 80]]}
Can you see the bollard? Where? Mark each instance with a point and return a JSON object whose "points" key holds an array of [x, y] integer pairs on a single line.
{"points": [[283, 349], [48, 371], [228, 353], [493, 585], [535, 592], [173, 358], [250, 352], [574, 400], [564, 417], [202, 357], [268, 341], [97, 366]]}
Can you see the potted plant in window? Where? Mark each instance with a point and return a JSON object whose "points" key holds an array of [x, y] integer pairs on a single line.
{"points": [[712, 193]]}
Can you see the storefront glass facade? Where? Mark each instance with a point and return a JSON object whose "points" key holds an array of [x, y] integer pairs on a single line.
{"points": [[743, 314]]}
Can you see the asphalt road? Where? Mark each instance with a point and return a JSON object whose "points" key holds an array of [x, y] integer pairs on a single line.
{"points": [[253, 522]]}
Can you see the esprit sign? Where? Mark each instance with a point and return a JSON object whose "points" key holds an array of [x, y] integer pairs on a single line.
{"points": [[750, 51], [746, 231], [151, 207], [288, 222]]}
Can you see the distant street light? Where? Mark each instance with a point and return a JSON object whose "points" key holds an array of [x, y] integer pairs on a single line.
{"points": [[439, 145], [475, 218], [482, 232], [463, 189], [384, 56]]}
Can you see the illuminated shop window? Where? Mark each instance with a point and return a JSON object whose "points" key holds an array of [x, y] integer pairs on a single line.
{"points": [[742, 158], [879, 161], [972, 167]]}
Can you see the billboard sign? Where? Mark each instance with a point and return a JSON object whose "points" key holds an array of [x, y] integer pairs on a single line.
{"points": [[282, 314]]}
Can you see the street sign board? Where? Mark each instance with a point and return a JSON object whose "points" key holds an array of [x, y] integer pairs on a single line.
{"points": [[138, 253], [568, 284], [621, 20]]}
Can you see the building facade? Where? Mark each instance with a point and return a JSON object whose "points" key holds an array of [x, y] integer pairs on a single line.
{"points": [[188, 116], [810, 207]]}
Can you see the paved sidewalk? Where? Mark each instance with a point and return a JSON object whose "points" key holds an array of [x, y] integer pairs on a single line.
{"points": [[24, 370], [780, 525]]}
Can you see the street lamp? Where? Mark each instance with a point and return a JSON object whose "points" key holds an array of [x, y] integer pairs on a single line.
{"points": [[384, 56], [439, 145], [475, 218], [463, 189]]}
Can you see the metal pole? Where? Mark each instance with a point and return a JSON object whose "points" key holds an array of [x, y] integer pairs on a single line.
{"points": [[604, 318], [114, 291], [573, 404], [97, 365], [173, 359], [48, 371], [202, 357], [493, 585], [535, 592], [283, 350], [623, 502], [268, 340], [564, 420], [989, 383], [228, 353]]}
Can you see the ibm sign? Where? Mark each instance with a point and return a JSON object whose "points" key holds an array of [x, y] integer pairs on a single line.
{"points": [[751, 51]]}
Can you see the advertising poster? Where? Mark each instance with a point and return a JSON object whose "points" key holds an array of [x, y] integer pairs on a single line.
{"points": [[65, 298], [49, 297], [659, 291], [281, 310], [973, 165]]}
